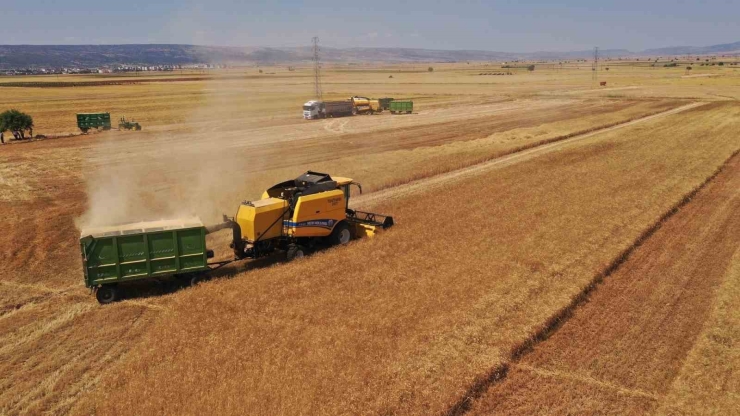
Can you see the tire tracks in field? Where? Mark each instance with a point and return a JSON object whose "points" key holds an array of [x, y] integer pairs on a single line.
{"points": [[555, 322], [515, 156]]}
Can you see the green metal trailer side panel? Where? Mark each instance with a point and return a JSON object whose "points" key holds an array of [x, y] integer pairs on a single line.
{"points": [[93, 120], [143, 253], [401, 106], [132, 255]]}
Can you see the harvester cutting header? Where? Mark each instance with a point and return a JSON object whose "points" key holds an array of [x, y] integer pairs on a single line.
{"points": [[294, 217]]}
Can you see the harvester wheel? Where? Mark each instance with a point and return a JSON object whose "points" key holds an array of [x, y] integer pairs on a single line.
{"points": [[341, 234], [106, 294], [295, 252]]}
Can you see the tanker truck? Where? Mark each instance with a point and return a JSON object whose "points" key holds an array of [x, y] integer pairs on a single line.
{"points": [[323, 109]]}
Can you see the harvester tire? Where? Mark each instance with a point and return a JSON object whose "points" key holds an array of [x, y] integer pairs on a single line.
{"points": [[341, 234], [295, 252], [106, 294]]}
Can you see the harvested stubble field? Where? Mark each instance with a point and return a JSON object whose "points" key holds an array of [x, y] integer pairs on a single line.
{"points": [[405, 323], [657, 336]]}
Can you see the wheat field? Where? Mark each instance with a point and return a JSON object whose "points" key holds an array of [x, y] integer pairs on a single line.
{"points": [[412, 322]]}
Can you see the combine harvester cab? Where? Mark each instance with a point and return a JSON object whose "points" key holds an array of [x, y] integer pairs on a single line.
{"points": [[300, 215]]}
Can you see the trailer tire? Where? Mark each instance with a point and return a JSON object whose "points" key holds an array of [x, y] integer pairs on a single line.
{"points": [[106, 294], [341, 234], [196, 279], [295, 252]]}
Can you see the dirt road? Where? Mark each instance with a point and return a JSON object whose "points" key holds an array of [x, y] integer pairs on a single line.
{"points": [[446, 178]]}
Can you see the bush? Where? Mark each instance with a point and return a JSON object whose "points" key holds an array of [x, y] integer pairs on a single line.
{"points": [[530, 68], [430, 69], [721, 64]]}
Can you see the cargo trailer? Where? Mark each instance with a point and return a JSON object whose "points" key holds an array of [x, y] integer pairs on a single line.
{"points": [[398, 107], [144, 250], [87, 121]]}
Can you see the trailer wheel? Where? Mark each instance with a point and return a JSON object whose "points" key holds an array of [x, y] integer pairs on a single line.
{"points": [[341, 234], [295, 252], [106, 294], [196, 279]]}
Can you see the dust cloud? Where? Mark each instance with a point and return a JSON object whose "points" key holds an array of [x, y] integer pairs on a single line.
{"points": [[176, 172]]}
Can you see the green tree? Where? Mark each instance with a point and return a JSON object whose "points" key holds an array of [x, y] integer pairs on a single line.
{"points": [[15, 120], [430, 69]]}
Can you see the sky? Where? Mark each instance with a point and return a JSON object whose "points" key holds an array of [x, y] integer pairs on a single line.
{"points": [[506, 26]]}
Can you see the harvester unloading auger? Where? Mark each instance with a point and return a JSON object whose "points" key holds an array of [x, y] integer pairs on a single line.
{"points": [[299, 215]]}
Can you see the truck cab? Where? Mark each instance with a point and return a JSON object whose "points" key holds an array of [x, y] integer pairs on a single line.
{"points": [[313, 110]]}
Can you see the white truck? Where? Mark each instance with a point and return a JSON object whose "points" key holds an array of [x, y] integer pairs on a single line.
{"points": [[323, 109]]}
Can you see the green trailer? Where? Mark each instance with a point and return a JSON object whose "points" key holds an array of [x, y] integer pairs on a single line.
{"points": [[145, 250], [398, 107], [87, 121]]}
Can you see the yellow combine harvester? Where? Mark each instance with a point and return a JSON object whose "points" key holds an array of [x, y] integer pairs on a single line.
{"points": [[364, 105], [300, 215]]}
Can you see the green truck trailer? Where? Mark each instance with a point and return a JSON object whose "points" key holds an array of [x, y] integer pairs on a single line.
{"points": [[398, 107], [87, 121], [145, 250]]}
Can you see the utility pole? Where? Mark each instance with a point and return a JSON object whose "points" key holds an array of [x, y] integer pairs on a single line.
{"points": [[595, 66], [317, 69]]}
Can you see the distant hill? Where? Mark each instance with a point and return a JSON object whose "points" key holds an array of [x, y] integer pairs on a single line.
{"points": [[696, 50], [23, 56]]}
